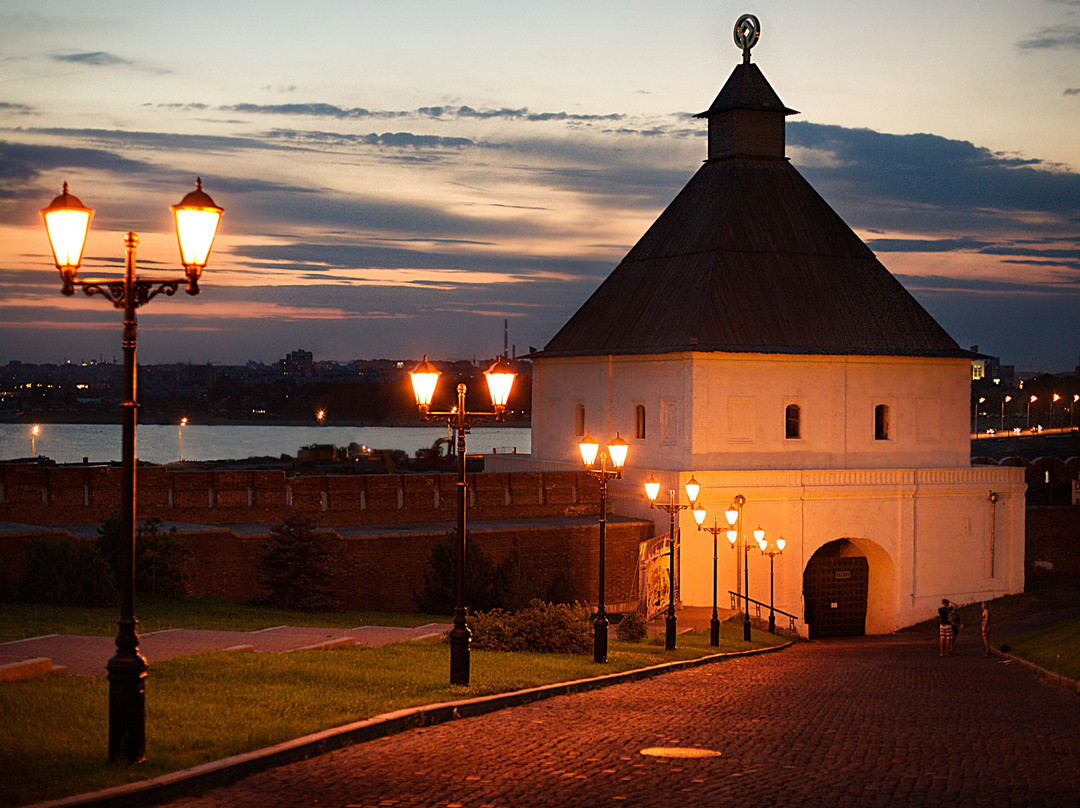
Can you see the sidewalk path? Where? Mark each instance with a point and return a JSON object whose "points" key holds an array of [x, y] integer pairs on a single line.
{"points": [[86, 656], [879, 721]]}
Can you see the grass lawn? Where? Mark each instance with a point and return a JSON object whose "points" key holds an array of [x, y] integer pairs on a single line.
{"points": [[54, 730], [22, 620], [1057, 648]]}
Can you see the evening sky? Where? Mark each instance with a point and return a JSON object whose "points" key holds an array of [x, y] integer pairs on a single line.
{"points": [[400, 177]]}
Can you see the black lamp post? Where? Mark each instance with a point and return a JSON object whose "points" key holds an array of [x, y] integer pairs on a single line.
{"points": [[67, 221], [500, 379], [771, 549], [734, 519], [652, 489], [616, 452], [714, 623]]}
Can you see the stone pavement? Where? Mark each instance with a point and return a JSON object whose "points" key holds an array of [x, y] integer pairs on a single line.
{"points": [[879, 721], [86, 656]]}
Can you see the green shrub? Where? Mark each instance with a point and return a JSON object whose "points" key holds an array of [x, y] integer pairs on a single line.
{"points": [[295, 567], [437, 594], [66, 572], [541, 627], [515, 583], [631, 628], [160, 555]]}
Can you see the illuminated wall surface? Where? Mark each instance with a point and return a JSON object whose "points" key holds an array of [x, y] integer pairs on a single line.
{"points": [[776, 358]]}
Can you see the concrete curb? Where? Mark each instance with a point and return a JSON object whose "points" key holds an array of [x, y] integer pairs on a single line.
{"points": [[223, 772]]}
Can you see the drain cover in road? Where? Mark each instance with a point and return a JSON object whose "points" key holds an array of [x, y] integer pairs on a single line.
{"points": [[679, 752]]}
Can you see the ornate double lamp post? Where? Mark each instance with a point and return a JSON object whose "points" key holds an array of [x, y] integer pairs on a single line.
{"points": [[771, 548], [715, 530], [500, 379], [733, 515], [616, 452], [652, 490], [67, 221]]}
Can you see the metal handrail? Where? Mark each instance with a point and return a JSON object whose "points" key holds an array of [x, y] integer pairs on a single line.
{"points": [[737, 598]]}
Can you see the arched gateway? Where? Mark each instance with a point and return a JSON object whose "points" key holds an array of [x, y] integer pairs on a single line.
{"points": [[836, 586]]}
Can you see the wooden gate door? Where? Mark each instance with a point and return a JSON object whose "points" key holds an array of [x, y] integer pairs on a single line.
{"points": [[835, 591]]}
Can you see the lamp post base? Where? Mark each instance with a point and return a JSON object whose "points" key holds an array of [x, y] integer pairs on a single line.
{"points": [[127, 698], [669, 632], [772, 623], [746, 628], [714, 630], [460, 637], [600, 636]]}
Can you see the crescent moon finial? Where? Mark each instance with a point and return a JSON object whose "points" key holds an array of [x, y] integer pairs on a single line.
{"points": [[747, 33]]}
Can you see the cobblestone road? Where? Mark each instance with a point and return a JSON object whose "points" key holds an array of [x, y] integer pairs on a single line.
{"points": [[867, 722]]}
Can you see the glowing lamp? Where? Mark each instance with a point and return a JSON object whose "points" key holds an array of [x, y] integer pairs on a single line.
{"points": [[500, 379], [588, 448], [693, 488], [732, 515], [67, 221], [424, 378], [759, 535], [652, 489], [733, 536], [617, 451], [699, 515], [781, 543], [197, 219]]}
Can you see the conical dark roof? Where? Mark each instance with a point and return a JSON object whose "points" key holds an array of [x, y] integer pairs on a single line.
{"points": [[749, 258]]}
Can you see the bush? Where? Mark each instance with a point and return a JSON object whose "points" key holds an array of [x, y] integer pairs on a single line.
{"points": [[515, 583], [541, 627], [631, 628], [160, 555], [295, 567], [437, 594], [66, 572]]}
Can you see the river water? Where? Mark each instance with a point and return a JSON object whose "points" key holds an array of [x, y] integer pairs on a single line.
{"points": [[160, 443]]}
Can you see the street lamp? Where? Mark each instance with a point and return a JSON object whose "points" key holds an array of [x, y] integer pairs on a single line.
{"points": [[1031, 401], [714, 623], [616, 452], [1004, 401], [1053, 400], [771, 549], [1076, 397], [180, 438], [500, 378], [652, 489], [734, 519], [34, 432], [320, 416], [67, 221]]}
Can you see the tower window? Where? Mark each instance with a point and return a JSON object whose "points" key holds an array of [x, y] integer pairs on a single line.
{"points": [[639, 422], [579, 420], [792, 425], [881, 422]]}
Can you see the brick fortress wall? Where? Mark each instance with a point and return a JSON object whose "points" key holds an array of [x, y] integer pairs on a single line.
{"points": [[379, 528]]}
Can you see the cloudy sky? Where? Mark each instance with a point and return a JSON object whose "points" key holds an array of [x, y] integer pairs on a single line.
{"points": [[400, 177]]}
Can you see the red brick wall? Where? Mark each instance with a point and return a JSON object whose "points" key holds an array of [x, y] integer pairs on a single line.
{"points": [[52, 495], [1053, 540]]}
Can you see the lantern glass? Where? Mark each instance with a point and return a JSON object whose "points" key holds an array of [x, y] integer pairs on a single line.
{"points": [[617, 450], [732, 515], [197, 219], [733, 536], [652, 489], [424, 378], [699, 515], [67, 222], [693, 488], [759, 535], [781, 543], [500, 379], [588, 448]]}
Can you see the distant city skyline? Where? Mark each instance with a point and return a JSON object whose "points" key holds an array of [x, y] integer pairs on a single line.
{"points": [[398, 179]]}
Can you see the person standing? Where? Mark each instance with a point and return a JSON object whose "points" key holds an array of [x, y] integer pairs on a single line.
{"points": [[986, 627], [945, 629]]}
